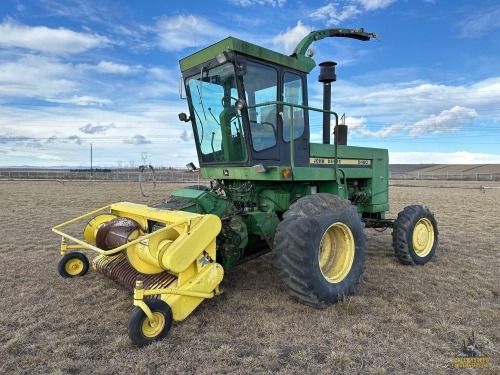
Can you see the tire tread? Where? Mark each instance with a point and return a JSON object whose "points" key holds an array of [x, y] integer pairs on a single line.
{"points": [[403, 230], [293, 240]]}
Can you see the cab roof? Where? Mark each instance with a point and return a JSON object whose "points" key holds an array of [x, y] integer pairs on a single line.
{"points": [[304, 64]]}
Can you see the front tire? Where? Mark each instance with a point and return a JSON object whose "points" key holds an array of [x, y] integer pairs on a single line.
{"points": [[320, 249], [415, 235], [142, 331]]}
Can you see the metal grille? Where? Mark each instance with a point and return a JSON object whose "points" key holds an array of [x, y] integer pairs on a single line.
{"points": [[118, 269]]}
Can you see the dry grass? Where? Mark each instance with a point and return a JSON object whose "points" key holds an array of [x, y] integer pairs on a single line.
{"points": [[402, 319]]}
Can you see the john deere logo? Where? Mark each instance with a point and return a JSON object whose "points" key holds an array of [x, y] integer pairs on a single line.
{"points": [[471, 356]]}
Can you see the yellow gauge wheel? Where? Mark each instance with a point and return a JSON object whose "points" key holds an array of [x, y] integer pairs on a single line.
{"points": [[73, 264], [152, 329], [142, 331], [74, 267], [423, 237], [336, 253]]}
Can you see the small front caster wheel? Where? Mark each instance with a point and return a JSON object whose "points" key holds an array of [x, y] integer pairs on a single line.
{"points": [[73, 264], [142, 331]]}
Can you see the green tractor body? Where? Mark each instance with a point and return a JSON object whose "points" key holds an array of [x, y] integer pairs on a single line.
{"points": [[271, 189], [251, 122]]}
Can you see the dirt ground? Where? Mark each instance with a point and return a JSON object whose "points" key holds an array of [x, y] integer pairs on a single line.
{"points": [[402, 319]]}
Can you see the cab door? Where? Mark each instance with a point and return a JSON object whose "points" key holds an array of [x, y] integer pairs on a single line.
{"points": [[261, 86], [270, 126]]}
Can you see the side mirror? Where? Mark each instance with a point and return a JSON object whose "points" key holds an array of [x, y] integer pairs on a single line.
{"points": [[183, 117], [191, 167]]}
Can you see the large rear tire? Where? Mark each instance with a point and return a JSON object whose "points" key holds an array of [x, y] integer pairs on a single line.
{"points": [[320, 249], [415, 235]]}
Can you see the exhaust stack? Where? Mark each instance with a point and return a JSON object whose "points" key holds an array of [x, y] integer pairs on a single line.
{"points": [[327, 76]]}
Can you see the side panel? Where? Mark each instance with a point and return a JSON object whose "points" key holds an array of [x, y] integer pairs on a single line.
{"points": [[368, 166]]}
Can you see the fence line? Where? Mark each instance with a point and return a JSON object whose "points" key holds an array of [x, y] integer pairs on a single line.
{"points": [[130, 176], [445, 176], [189, 176]]}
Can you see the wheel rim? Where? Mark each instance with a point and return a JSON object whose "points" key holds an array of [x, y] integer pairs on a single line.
{"points": [[74, 266], [153, 328], [423, 237], [336, 252]]}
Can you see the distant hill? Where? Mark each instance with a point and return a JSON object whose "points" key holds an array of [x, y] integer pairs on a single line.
{"points": [[462, 168], [445, 168], [407, 168]]}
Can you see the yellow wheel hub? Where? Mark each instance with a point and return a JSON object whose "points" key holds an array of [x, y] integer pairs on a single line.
{"points": [[73, 267], [336, 252], [423, 237], [153, 328]]}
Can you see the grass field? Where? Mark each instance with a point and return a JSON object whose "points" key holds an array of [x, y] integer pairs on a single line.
{"points": [[402, 319]]}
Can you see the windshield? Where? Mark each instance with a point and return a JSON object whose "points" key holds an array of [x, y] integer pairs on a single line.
{"points": [[219, 127]]}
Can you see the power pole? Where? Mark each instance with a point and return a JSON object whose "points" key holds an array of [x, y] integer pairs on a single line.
{"points": [[91, 160]]}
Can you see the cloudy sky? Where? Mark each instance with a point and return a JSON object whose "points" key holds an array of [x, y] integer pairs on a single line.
{"points": [[80, 72]]}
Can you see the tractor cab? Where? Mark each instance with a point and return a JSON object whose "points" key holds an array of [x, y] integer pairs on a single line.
{"points": [[246, 105]]}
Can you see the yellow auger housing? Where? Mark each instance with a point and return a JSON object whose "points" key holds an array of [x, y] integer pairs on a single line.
{"points": [[157, 252]]}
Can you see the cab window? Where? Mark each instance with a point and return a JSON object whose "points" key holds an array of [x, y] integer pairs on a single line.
{"points": [[261, 85], [292, 93]]}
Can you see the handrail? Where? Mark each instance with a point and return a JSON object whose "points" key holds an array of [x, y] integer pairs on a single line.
{"points": [[276, 102], [87, 246], [271, 102]]}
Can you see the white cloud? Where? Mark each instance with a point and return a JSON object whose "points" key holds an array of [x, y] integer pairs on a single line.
{"points": [[96, 129], [113, 68], [459, 157], [84, 100], [447, 121], [137, 140], [181, 32], [81, 10], [158, 82], [33, 155], [291, 37], [359, 126], [187, 136], [334, 12], [44, 39], [52, 79], [334, 15], [412, 102], [249, 3], [481, 23], [376, 4], [36, 77], [148, 126]]}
